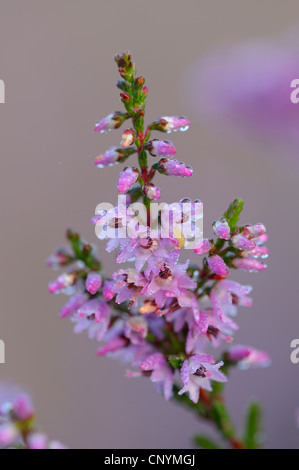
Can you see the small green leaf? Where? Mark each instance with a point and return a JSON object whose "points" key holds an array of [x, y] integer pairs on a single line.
{"points": [[232, 214], [205, 443], [253, 426], [175, 361], [222, 419]]}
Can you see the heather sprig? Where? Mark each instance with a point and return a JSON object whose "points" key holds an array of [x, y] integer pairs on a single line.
{"points": [[159, 315], [17, 426]]}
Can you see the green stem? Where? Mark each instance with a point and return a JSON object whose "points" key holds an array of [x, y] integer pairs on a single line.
{"points": [[214, 411]]}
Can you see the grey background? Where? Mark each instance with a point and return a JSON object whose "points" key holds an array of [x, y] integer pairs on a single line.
{"points": [[56, 61]]}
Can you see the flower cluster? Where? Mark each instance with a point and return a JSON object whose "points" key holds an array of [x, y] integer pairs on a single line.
{"points": [[157, 314], [17, 417]]}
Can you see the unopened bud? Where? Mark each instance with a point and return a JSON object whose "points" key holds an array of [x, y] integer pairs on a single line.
{"points": [[221, 229], [151, 191], [162, 148], [112, 121], [173, 168], [127, 138], [127, 179]]}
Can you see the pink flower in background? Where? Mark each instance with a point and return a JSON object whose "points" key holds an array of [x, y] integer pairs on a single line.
{"points": [[247, 88], [17, 417], [248, 357]]}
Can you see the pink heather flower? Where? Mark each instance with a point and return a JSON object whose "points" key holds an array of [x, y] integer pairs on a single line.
{"points": [[96, 330], [152, 192], [226, 294], [23, 408], [114, 224], [93, 282], [128, 284], [136, 329], [61, 283], [109, 158], [173, 168], [148, 250], [248, 264], [127, 179], [165, 281], [161, 374], [94, 308], [108, 291], [182, 222], [37, 441], [204, 247], [221, 229], [60, 258], [209, 329], [112, 121], [252, 95], [172, 124], [248, 357], [162, 148], [254, 231], [197, 372], [127, 138], [16, 422], [73, 304], [242, 243], [218, 266], [9, 434], [112, 346]]}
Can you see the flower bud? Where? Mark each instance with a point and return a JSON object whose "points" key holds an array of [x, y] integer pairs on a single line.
{"points": [[62, 282], [124, 96], [112, 121], [112, 156], [127, 138], [108, 291], [23, 408], [204, 247], [248, 357], [93, 282], [152, 192], [162, 148], [127, 179], [254, 231], [242, 243], [145, 90], [139, 82], [60, 258], [173, 168], [221, 229], [171, 124], [248, 264], [218, 266]]}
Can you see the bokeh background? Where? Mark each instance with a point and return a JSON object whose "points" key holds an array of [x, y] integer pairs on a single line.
{"points": [[56, 61]]}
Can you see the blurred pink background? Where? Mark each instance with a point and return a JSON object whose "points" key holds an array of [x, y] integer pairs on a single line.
{"points": [[56, 61]]}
